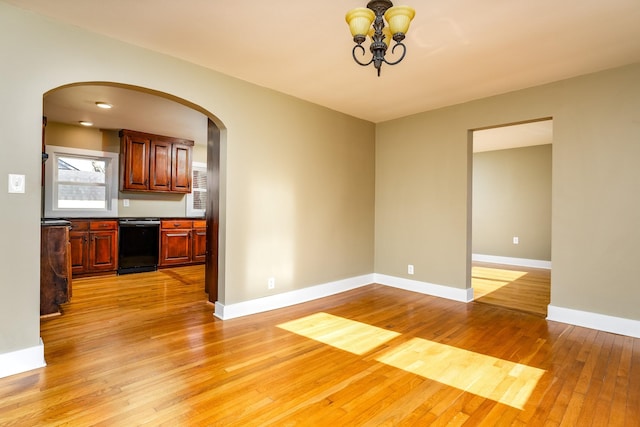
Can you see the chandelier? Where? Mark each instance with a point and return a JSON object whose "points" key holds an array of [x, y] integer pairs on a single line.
{"points": [[368, 21]]}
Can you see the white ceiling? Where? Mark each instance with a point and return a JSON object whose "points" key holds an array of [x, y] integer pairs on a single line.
{"points": [[458, 50], [132, 109]]}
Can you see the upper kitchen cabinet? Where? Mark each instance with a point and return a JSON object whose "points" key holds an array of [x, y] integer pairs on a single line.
{"points": [[154, 163], [135, 149]]}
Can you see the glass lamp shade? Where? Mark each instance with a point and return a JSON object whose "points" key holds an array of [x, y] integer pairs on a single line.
{"points": [[399, 18], [360, 20]]}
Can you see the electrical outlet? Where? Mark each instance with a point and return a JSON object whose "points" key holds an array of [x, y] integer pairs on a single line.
{"points": [[516, 240], [271, 283], [125, 203], [410, 269]]}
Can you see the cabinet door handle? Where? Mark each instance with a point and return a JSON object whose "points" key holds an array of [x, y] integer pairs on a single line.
{"points": [[175, 224]]}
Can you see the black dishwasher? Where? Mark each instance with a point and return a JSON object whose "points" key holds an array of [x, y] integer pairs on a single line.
{"points": [[138, 245]]}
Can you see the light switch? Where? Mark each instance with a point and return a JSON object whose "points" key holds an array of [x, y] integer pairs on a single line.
{"points": [[16, 183]]}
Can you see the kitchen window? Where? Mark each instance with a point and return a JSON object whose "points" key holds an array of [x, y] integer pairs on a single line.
{"points": [[80, 183], [197, 199]]}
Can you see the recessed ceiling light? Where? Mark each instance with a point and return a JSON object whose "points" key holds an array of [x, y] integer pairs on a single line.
{"points": [[85, 123], [104, 105]]}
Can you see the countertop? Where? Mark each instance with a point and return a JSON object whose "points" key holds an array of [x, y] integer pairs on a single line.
{"points": [[54, 222]]}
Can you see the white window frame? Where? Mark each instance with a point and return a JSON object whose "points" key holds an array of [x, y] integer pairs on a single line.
{"points": [[51, 185], [191, 211]]}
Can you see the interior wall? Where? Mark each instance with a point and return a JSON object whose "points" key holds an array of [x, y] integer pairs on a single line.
{"points": [[64, 135], [512, 197], [298, 178], [422, 197]]}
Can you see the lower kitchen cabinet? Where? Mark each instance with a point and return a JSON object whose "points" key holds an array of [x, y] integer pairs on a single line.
{"points": [[94, 246], [199, 250], [175, 242], [182, 242], [79, 238]]}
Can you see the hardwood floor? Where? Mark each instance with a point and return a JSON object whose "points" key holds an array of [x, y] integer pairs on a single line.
{"points": [[145, 349], [519, 288]]}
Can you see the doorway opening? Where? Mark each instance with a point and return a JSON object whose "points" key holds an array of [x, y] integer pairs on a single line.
{"points": [[147, 111], [511, 215]]}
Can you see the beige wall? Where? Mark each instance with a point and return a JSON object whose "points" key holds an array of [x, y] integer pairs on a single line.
{"points": [[421, 205], [63, 135], [297, 191], [512, 197], [422, 189]]}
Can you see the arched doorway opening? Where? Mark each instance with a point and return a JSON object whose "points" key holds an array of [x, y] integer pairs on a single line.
{"points": [[151, 111]]}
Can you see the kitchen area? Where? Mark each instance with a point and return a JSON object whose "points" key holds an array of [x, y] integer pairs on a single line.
{"points": [[124, 187]]}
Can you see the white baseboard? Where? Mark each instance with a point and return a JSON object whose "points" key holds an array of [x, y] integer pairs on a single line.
{"points": [[286, 299], [522, 262], [600, 322], [585, 319], [19, 361], [455, 294]]}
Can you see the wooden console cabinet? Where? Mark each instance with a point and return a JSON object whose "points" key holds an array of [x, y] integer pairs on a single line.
{"points": [[182, 242], [154, 163], [94, 246], [55, 268]]}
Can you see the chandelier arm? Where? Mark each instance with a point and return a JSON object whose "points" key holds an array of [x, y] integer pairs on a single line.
{"points": [[353, 53], [404, 52]]}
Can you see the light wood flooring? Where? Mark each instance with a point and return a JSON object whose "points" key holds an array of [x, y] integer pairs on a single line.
{"points": [[518, 288], [145, 349]]}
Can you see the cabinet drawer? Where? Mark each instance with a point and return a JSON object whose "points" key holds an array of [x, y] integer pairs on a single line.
{"points": [[79, 225], [199, 224], [176, 224], [104, 225]]}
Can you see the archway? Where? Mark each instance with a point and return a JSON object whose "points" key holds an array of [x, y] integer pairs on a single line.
{"points": [[154, 112]]}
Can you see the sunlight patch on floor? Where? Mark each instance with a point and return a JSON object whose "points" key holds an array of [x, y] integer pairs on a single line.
{"points": [[486, 280], [500, 380], [349, 335], [496, 379], [496, 274]]}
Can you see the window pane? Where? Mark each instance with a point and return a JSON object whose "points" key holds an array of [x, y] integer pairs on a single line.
{"points": [[74, 169], [199, 179], [200, 200], [82, 197]]}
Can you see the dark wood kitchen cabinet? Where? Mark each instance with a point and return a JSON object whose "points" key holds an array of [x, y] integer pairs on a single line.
{"points": [[175, 244], [94, 246], [199, 251], [79, 238], [154, 163], [160, 166], [55, 269], [182, 242], [181, 168], [134, 161]]}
